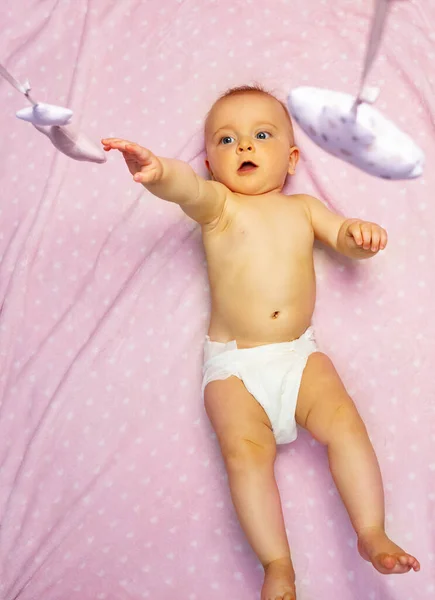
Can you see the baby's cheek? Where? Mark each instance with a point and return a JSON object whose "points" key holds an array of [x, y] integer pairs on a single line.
{"points": [[222, 164]]}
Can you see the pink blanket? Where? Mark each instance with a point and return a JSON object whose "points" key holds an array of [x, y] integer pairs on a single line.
{"points": [[111, 481]]}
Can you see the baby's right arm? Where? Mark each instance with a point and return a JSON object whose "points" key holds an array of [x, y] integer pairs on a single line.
{"points": [[172, 180]]}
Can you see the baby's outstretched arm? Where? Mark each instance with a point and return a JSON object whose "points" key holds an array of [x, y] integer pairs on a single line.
{"points": [[354, 238], [172, 180]]}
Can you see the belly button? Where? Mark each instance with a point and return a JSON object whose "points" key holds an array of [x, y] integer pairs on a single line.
{"points": [[275, 314]]}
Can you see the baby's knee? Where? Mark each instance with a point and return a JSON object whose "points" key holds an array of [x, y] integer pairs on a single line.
{"points": [[346, 421], [245, 453]]}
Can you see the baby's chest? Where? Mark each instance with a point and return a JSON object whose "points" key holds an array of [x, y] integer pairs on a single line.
{"points": [[269, 233], [259, 238]]}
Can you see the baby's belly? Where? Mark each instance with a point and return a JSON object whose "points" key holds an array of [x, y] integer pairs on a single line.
{"points": [[268, 313]]}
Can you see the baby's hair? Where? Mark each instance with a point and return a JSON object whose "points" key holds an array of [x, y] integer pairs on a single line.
{"points": [[242, 89], [256, 88]]}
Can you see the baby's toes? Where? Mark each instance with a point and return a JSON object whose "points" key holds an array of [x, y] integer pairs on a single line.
{"points": [[406, 559], [413, 563], [388, 561]]}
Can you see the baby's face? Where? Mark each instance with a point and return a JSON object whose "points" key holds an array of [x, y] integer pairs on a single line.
{"points": [[249, 144]]}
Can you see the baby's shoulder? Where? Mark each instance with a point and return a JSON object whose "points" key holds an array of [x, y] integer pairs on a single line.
{"points": [[307, 203], [299, 202]]}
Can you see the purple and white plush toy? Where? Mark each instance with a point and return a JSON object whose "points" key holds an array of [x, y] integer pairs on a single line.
{"points": [[351, 129], [53, 121]]}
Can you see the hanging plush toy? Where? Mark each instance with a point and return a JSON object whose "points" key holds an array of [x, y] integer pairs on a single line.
{"points": [[351, 129], [53, 122]]}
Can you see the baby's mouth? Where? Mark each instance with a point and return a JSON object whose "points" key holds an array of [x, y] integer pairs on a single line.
{"points": [[247, 166]]}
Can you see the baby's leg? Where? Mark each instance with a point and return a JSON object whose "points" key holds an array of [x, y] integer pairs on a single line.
{"points": [[326, 410], [249, 450]]}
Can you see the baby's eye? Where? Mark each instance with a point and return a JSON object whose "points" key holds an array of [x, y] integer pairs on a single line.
{"points": [[263, 135], [227, 140]]}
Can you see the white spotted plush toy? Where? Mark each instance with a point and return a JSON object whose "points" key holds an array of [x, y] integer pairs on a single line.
{"points": [[53, 122], [351, 128]]}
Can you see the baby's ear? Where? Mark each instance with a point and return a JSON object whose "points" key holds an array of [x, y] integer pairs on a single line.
{"points": [[207, 164], [293, 160]]}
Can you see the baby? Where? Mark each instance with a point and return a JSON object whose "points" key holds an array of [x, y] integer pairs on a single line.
{"points": [[263, 372]]}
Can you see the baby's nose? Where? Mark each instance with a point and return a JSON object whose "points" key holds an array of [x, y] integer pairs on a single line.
{"points": [[245, 145]]}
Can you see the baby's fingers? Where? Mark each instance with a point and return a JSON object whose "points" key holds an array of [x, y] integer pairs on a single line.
{"points": [[106, 141], [138, 153], [123, 145], [379, 238], [384, 238], [130, 150], [366, 230], [376, 238], [370, 236], [354, 230], [114, 143]]}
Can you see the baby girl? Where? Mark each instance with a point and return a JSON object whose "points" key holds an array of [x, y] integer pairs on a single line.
{"points": [[263, 372]]}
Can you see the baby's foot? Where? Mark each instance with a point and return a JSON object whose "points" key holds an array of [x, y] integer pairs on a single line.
{"points": [[376, 547], [279, 580]]}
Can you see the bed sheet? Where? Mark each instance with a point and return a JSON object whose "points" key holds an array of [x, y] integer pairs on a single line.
{"points": [[111, 481]]}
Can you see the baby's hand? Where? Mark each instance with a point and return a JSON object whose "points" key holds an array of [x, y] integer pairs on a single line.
{"points": [[367, 236], [141, 162]]}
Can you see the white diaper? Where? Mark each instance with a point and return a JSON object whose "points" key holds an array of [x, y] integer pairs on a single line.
{"points": [[272, 373]]}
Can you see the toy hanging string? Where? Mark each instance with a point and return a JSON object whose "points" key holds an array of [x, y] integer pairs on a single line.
{"points": [[23, 88], [378, 23]]}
